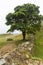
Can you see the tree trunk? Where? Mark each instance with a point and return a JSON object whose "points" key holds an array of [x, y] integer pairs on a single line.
{"points": [[24, 34]]}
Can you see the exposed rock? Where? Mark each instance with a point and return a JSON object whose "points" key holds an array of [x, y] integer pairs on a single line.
{"points": [[21, 56], [2, 61]]}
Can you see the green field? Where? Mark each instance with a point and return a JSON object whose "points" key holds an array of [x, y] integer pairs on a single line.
{"points": [[4, 37], [38, 49]]}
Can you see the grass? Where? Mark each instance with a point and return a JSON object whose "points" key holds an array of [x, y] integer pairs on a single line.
{"points": [[39, 37], [3, 39], [38, 48], [38, 51], [16, 39]]}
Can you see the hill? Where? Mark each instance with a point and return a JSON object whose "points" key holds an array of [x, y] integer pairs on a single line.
{"points": [[9, 45]]}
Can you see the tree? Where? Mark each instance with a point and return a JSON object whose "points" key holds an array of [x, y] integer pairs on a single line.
{"points": [[25, 18]]}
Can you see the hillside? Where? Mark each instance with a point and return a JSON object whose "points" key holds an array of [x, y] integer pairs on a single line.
{"points": [[8, 47]]}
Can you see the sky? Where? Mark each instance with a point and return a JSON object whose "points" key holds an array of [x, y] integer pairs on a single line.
{"points": [[7, 6]]}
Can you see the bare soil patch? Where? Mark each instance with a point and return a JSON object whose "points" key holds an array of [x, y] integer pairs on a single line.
{"points": [[7, 49]]}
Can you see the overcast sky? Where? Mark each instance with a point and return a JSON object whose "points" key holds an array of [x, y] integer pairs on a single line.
{"points": [[7, 6]]}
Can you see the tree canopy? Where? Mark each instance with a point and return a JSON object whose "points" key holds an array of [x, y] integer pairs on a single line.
{"points": [[26, 18]]}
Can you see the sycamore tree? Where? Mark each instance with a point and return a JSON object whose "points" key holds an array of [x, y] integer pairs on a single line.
{"points": [[25, 18]]}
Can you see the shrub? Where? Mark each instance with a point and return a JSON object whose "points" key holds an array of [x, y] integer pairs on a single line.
{"points": [[9, 39]]}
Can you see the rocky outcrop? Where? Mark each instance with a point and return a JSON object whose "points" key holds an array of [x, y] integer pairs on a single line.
{"points": [[22, 56]]}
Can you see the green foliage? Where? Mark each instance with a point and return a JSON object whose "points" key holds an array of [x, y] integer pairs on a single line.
{"points": [[25, 18]]}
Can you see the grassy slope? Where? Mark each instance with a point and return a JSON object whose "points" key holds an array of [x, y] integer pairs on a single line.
{"points": [[4, 37], [39, 44], [16, 39]]}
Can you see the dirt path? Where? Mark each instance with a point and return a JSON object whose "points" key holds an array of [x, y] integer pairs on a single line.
{"points": [[7, 49]]}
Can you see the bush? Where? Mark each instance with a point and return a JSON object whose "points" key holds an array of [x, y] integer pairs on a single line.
{"points": [[9, 39]]}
